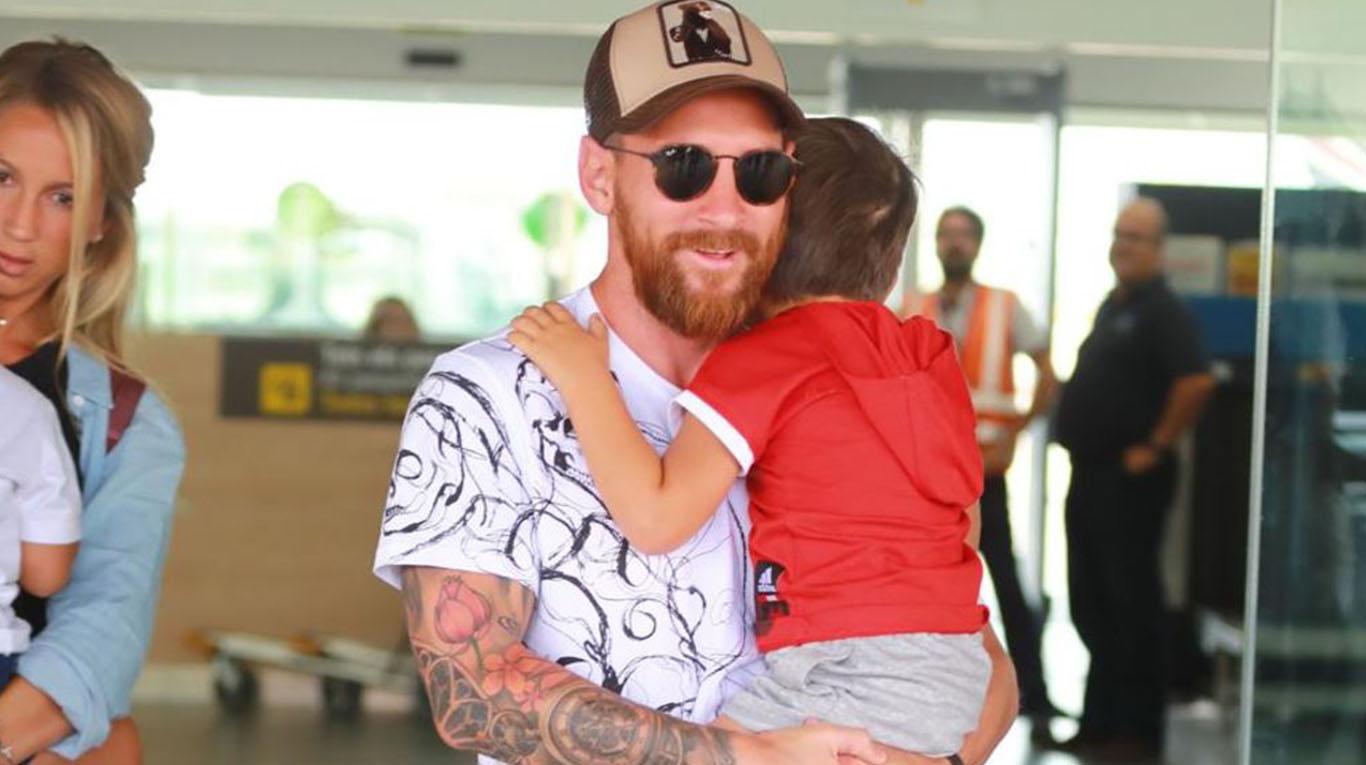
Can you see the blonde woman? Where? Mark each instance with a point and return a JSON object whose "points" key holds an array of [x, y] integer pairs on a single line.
{"points": [[75, 137]]}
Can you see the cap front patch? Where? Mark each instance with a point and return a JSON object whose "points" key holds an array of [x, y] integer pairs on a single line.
{"points": [[701, 32]]}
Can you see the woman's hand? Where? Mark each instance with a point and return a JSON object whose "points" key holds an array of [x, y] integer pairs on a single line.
{"points": [[30, 721], [123, 747], [551, 337]]}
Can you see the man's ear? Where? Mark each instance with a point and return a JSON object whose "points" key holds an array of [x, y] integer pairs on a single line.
{"points": [[597, 175]]}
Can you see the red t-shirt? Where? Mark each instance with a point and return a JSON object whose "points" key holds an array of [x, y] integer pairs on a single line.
{"points": [[856, 432]]}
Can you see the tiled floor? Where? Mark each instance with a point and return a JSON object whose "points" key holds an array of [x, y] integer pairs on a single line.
{"points": [[291, 735]]}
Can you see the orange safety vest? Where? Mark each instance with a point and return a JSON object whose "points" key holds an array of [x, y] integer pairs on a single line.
{"points": [[986, 354]]}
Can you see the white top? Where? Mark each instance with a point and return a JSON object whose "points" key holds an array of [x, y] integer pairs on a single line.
{"points": [[489, 478], [40, 498]]}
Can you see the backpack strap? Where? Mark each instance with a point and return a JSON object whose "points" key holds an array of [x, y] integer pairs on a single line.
{"points": [[126, 390]]}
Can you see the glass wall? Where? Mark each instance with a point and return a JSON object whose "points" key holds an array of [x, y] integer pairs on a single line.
{"points": [[1308, 668]]}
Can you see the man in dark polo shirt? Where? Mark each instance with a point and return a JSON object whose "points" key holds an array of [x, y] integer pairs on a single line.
{"points": [[1141, 380]]}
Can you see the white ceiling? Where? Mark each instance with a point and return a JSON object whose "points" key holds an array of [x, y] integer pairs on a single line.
{"points": [[1222, 27], [1186, 55]]}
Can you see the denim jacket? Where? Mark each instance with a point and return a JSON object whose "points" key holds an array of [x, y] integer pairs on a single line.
{"points": [[99, 625]]}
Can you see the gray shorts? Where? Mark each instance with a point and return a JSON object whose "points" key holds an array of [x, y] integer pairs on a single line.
{"points": [[920, 692]]}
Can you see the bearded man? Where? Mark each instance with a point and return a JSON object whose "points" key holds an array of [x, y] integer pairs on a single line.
{"points": [[542, 636]]}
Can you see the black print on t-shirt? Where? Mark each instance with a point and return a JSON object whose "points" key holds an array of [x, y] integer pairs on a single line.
{"points": [[768, 605]]}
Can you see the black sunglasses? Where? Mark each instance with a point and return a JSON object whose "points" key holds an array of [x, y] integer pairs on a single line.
{"points": [[685, 171]]}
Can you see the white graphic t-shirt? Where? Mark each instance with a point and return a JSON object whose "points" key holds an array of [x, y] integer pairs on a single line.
{"points": [[489, 478]]}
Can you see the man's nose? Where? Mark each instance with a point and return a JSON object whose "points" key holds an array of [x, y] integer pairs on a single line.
{"points": [[721, 204]]}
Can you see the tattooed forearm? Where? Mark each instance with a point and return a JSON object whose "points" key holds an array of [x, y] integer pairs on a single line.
{"points": [[546, 715], [468, 717], [587, 724], [490, 694]]}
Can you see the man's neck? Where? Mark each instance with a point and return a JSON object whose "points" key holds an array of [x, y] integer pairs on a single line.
{"points": [[953, 289], [1126, 290], [673, 357]]}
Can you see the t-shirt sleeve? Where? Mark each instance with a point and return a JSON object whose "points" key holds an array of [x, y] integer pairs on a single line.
{"points": [[459, 496], [47, 492], [1180, 350], [739, 392], [1026, 335], [734, 441]]}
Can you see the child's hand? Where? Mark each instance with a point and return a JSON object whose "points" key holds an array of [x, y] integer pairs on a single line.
{"points": [[551, 337]]}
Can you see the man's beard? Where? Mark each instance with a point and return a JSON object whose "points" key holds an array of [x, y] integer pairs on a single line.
{"points": [[661, 282], [956, 269]]}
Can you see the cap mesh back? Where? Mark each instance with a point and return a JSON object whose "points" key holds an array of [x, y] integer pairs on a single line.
{"points": [[600, 105]]}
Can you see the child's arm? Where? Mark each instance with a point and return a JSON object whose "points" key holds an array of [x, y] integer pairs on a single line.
{"points": [[657, 503], [45, 569]]}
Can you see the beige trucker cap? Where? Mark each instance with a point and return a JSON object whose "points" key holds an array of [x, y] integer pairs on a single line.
{"points": [[649, 63]]}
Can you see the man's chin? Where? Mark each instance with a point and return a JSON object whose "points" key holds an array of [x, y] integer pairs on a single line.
{"points": [[705, 284], [714, 294], [708, 316]]}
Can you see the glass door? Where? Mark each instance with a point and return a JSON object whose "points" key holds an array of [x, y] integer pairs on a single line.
{"points": [[1306, 653]]}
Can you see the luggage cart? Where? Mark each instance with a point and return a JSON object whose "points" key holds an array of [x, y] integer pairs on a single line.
{"points": [[345, 669]]}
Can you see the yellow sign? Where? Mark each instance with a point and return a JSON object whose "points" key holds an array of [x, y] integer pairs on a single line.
{"points": [[286, 389], [1244, 262]]}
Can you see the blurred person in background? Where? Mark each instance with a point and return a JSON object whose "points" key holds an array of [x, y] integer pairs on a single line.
{"points": [[75, 138], [391, 321], [1141, 381], [990, 327]]}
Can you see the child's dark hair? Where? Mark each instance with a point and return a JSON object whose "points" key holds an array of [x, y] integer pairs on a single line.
{"points": [[851, 211]]}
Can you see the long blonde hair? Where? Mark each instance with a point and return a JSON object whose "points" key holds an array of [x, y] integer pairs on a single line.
{"points": [[106, 122]]}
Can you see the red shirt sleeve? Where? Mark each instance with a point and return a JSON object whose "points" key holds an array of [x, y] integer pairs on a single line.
{"points": [[742, 388]]}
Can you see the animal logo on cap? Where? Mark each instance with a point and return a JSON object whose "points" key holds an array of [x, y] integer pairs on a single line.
{"points": [[702, 31]]}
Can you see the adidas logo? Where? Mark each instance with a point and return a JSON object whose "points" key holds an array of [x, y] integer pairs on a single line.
{"points": [[766, 578]]}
